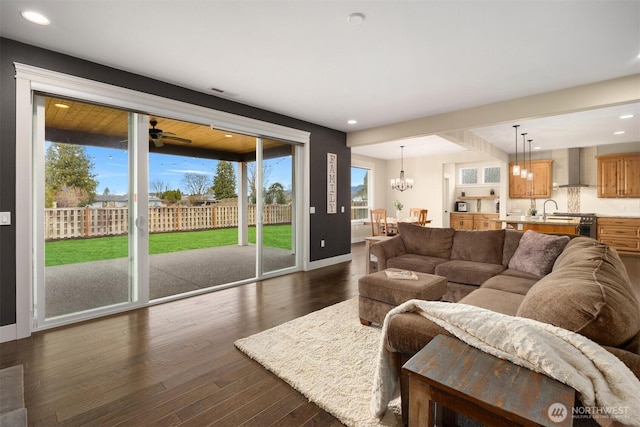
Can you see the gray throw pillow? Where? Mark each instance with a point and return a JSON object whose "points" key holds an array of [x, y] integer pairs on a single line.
{"points": [[537, 252]]}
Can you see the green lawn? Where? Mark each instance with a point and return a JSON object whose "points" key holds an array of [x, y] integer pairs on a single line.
{"points": [[61, 252]]}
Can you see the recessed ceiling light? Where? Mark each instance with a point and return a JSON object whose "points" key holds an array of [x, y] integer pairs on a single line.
{"points": [[626, 116], [352, 122], [356, 18], [228, 135], [620, 132], [61, 105], [35, 17], [537, 148]]}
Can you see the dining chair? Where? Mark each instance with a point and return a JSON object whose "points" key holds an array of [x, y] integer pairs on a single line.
{"points": [[378, 222], [420, 214]]}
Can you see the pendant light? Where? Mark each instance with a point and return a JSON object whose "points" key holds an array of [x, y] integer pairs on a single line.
{"points": [[401, 183], [523, 170], [530, 174], [516, 166]]}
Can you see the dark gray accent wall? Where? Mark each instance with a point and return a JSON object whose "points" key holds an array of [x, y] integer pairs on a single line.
{"points": [[334, 229]]}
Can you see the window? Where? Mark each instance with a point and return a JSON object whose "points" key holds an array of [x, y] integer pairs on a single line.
{"points": [[478, 175], [468, 176], [359, 193], [491, 175]]}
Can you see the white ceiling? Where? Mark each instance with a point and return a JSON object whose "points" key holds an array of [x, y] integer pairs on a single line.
{"points": [[408, 59]]}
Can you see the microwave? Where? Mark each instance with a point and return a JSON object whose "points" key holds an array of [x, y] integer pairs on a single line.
{"points": [[461, 206]]}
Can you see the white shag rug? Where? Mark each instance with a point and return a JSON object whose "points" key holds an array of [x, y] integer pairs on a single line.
{"points": [[329, 357]]}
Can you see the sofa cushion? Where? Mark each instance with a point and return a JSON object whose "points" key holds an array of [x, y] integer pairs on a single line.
{"points": [[581, 248], [434, 242], [468, 272], [495, 300], [479, 245], [522, 274], [409, 332], [509, 283], [537, 252], [413, 262], [592, 297]]}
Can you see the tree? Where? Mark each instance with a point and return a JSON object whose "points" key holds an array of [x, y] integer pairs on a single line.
{"points": [[106, 191], [158, 187], [364, 191], [275, 194], [171, 196], [69, 175], [252, 176], [224, 182], [195, 184]]}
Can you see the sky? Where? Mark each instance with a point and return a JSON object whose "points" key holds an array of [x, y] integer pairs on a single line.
{"points": [[110, 166], [357, 176]]}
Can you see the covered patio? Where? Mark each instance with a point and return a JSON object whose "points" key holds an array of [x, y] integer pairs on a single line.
{"points": [[77, 287]]}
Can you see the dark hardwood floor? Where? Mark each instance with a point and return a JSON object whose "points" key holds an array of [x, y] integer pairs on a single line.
{"points": [[175, 363]]}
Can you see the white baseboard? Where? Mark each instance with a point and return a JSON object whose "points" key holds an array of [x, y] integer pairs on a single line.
{"points": [[8, 333], [328, 261]]}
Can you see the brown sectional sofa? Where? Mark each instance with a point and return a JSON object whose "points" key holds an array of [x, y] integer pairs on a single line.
{"points": [[577, 284]]}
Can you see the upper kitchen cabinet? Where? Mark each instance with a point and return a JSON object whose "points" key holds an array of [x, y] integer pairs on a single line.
{"points": [[539, 188], [619, 175]]}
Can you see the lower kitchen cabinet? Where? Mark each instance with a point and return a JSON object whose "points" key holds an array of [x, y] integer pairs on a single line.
{"points": [[474, 221], [622, 234], [485, 222], [461, 221]]}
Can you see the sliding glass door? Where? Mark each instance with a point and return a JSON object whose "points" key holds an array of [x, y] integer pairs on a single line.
{"points": [[85, 238], [132, 209]]}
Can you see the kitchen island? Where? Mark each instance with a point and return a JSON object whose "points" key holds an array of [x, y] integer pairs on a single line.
{"points": [[547, 225]]}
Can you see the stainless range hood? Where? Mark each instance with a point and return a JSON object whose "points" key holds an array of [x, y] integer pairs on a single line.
{"points": [[573, 166]]}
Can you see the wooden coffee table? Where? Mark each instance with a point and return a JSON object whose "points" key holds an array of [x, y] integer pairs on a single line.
{"points": [[448, 376]]}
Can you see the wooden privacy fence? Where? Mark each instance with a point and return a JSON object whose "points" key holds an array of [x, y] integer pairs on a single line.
{"points": [[68, 223]]}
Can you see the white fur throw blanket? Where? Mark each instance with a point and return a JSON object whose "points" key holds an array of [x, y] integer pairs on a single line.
{"points": [[600, 379]]}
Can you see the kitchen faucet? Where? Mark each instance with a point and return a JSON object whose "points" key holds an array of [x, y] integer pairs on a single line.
{"points": [[544, 208]]}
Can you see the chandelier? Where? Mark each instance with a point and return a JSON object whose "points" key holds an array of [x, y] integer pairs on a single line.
{"points": [[402, 183]]}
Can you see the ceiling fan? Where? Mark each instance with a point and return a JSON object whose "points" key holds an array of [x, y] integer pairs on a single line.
{"points": [[157, 135]]}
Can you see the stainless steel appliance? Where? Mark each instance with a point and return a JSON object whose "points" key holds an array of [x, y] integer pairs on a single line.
{"points": [[588, 222], [461, 206]]}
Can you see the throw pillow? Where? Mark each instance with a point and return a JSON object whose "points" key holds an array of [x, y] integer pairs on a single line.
{"points": [[537, 252]]}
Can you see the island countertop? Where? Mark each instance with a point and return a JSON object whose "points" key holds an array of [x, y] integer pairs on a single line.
{"points": [[567, 225], [538, 220]]}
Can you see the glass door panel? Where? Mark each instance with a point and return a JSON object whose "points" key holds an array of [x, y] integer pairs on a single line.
{"points": [[278, 209], [197, 235], [85, 201]]}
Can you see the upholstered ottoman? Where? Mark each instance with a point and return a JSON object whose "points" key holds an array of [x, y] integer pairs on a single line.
{"points": [[378, 294]]}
